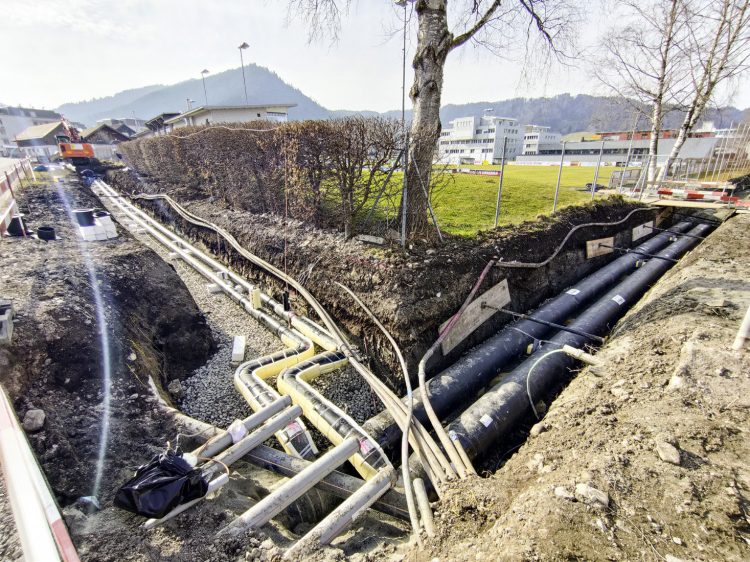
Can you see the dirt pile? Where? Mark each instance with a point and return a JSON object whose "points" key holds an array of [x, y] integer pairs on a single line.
{"points": [[643, 458]]}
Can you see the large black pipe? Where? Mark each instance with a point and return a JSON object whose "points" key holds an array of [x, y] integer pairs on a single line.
{"points": [[459, 383], [504, 405]]}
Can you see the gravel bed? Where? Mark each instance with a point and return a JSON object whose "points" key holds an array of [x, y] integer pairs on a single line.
{"points": [[209, 393], [347, 389]]}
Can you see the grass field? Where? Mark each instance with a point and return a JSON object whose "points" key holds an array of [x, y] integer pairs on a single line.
{"points": [[467, 204]]}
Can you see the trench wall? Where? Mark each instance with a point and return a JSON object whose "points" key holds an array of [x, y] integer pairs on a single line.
{"points": [[411, 292]]}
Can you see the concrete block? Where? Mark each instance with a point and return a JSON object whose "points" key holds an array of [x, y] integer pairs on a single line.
{"points": [[6, 321], [257, 303], [598, 247], [238, 349], [370, 239], [213, 288]]}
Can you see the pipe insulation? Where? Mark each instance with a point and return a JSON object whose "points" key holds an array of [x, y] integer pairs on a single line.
{"points": [[330, 420], [295, 439], [497, 411], [457, 384]]}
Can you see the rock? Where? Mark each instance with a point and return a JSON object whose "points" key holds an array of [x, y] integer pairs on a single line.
{"points": [[538, 428], [668, 453], [175, 387], [75, 520], [88, 504], [589, 494], [564, 493], [670, 558], [677, 540], [132, 357], [33, 421]]}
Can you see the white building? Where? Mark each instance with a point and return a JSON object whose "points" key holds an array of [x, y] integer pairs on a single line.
{"points": [[15, 120], [210, 114], [538, 137], [473, 140]]}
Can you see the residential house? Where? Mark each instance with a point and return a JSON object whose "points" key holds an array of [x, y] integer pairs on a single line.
{"points": [[210, 114], [15, 120], [39, 141]]}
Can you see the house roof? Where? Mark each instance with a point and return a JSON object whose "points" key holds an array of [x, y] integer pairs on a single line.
{"points": [[91, 130], [205, 108], [158, 120], [29, 112], [37, 131]]}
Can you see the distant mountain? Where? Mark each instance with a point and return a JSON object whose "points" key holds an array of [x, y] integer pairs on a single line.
{"points": [[564, 113], [225, 88]]}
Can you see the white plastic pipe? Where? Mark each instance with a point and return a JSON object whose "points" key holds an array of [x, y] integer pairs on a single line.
{"points": [[220, 442], [344, 515], [744, 332], [267, 508], [425, 511]]}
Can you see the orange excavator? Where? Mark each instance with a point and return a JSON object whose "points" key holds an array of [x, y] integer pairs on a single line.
{"points": [[72, 148]]}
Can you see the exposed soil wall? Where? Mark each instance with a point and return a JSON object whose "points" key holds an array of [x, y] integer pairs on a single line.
{"points": [[412, 292]]}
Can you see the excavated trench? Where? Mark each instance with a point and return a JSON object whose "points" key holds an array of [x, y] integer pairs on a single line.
{"points": [[396, 286], [529, 284]]}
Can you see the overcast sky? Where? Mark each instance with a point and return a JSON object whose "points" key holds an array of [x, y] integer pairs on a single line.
{"points": [[58, 51]]}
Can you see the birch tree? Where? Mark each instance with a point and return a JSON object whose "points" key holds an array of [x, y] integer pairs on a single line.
{"points": [[541, 26], [643, 62], [718, 50]]}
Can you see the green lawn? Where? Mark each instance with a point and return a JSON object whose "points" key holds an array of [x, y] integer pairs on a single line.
{"points": [[467, 203]]}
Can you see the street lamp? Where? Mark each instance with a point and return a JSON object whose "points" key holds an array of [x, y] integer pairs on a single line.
{"points": [[189, 103], [203, 76], [242, 63]]}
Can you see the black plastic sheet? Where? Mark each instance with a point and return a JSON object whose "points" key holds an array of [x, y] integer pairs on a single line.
{"points": [[160, 485]]}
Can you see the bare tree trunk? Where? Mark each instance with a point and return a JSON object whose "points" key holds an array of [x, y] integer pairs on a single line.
{"points": [[653, 145], [433, 46]]}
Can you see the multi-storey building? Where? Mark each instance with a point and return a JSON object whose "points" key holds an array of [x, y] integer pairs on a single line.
{"points": [[475, 140], [14, 120], [538, 137]]}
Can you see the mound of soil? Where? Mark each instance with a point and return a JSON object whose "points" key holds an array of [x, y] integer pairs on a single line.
{"points": [[644, 457]]}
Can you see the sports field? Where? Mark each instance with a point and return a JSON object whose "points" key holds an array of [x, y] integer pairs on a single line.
{"points": [[467, 203]]}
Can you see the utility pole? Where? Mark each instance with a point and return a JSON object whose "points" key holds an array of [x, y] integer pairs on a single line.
{"points": [[242, 64], [203, 76], [559, 176], [596, 172], [500, 184]]}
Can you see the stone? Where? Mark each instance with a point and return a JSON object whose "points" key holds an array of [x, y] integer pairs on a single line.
{"points": [[175, 388], [589, 494], [564, 493], [668, 453], [33, 421], [537, 429], [132, 357]]}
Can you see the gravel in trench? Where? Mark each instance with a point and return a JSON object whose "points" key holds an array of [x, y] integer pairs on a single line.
{"points": [[209, 393]]}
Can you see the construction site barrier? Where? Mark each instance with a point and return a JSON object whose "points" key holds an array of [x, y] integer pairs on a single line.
{"points": [[8, 179], [40, 527]]}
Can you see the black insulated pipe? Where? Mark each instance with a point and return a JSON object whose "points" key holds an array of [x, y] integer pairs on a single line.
{"points": [[458, 384], [498, 410]]}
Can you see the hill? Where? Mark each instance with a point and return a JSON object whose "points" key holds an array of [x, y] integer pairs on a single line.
{"points": [[564, 113], [225, 88]]}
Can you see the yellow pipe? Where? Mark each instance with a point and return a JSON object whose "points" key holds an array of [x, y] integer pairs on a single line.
{"points": [[294, 391], [297, 351]]}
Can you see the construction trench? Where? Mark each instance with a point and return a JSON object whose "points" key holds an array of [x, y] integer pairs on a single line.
{"points": [[341, 464]]}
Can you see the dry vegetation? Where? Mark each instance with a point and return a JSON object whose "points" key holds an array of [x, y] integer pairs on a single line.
{"points": [[322, 172]]}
